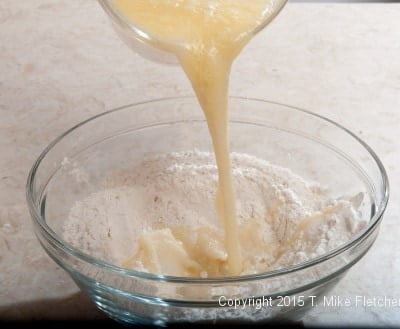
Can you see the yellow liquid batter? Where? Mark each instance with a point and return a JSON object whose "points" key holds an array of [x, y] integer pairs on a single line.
{"points": [[206, 36]]}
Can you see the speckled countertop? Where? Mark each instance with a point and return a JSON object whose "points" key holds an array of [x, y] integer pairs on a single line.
{"points": [[60, 63]]}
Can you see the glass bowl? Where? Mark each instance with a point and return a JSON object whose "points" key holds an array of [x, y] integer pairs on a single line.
{"points": [[311, 146]]}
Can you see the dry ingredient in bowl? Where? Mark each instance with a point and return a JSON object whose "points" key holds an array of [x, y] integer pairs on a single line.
{"points": [[160, 217]]}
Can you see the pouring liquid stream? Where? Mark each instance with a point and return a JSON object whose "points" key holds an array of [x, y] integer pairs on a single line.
{"points": [[206, 36]]}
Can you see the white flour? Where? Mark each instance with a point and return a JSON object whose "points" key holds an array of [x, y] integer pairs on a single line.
{"points": [[297, 221]]}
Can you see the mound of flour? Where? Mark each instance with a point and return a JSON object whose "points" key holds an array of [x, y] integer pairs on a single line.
{"points": [[297, 219]]}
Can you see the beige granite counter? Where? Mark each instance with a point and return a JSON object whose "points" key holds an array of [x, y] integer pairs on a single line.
{"points": [[60, 63]]}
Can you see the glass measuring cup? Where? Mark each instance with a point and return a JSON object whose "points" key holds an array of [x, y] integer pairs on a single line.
{"points": [[144, 44]]}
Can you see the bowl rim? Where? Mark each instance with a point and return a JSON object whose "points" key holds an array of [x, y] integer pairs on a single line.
{"points": [[57, 240]]}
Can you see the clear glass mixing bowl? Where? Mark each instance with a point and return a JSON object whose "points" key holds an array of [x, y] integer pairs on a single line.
{"points": [[144, 44], [311, 146]]}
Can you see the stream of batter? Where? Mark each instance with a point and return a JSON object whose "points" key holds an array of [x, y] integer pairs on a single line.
{"points": [[206, 36]]}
